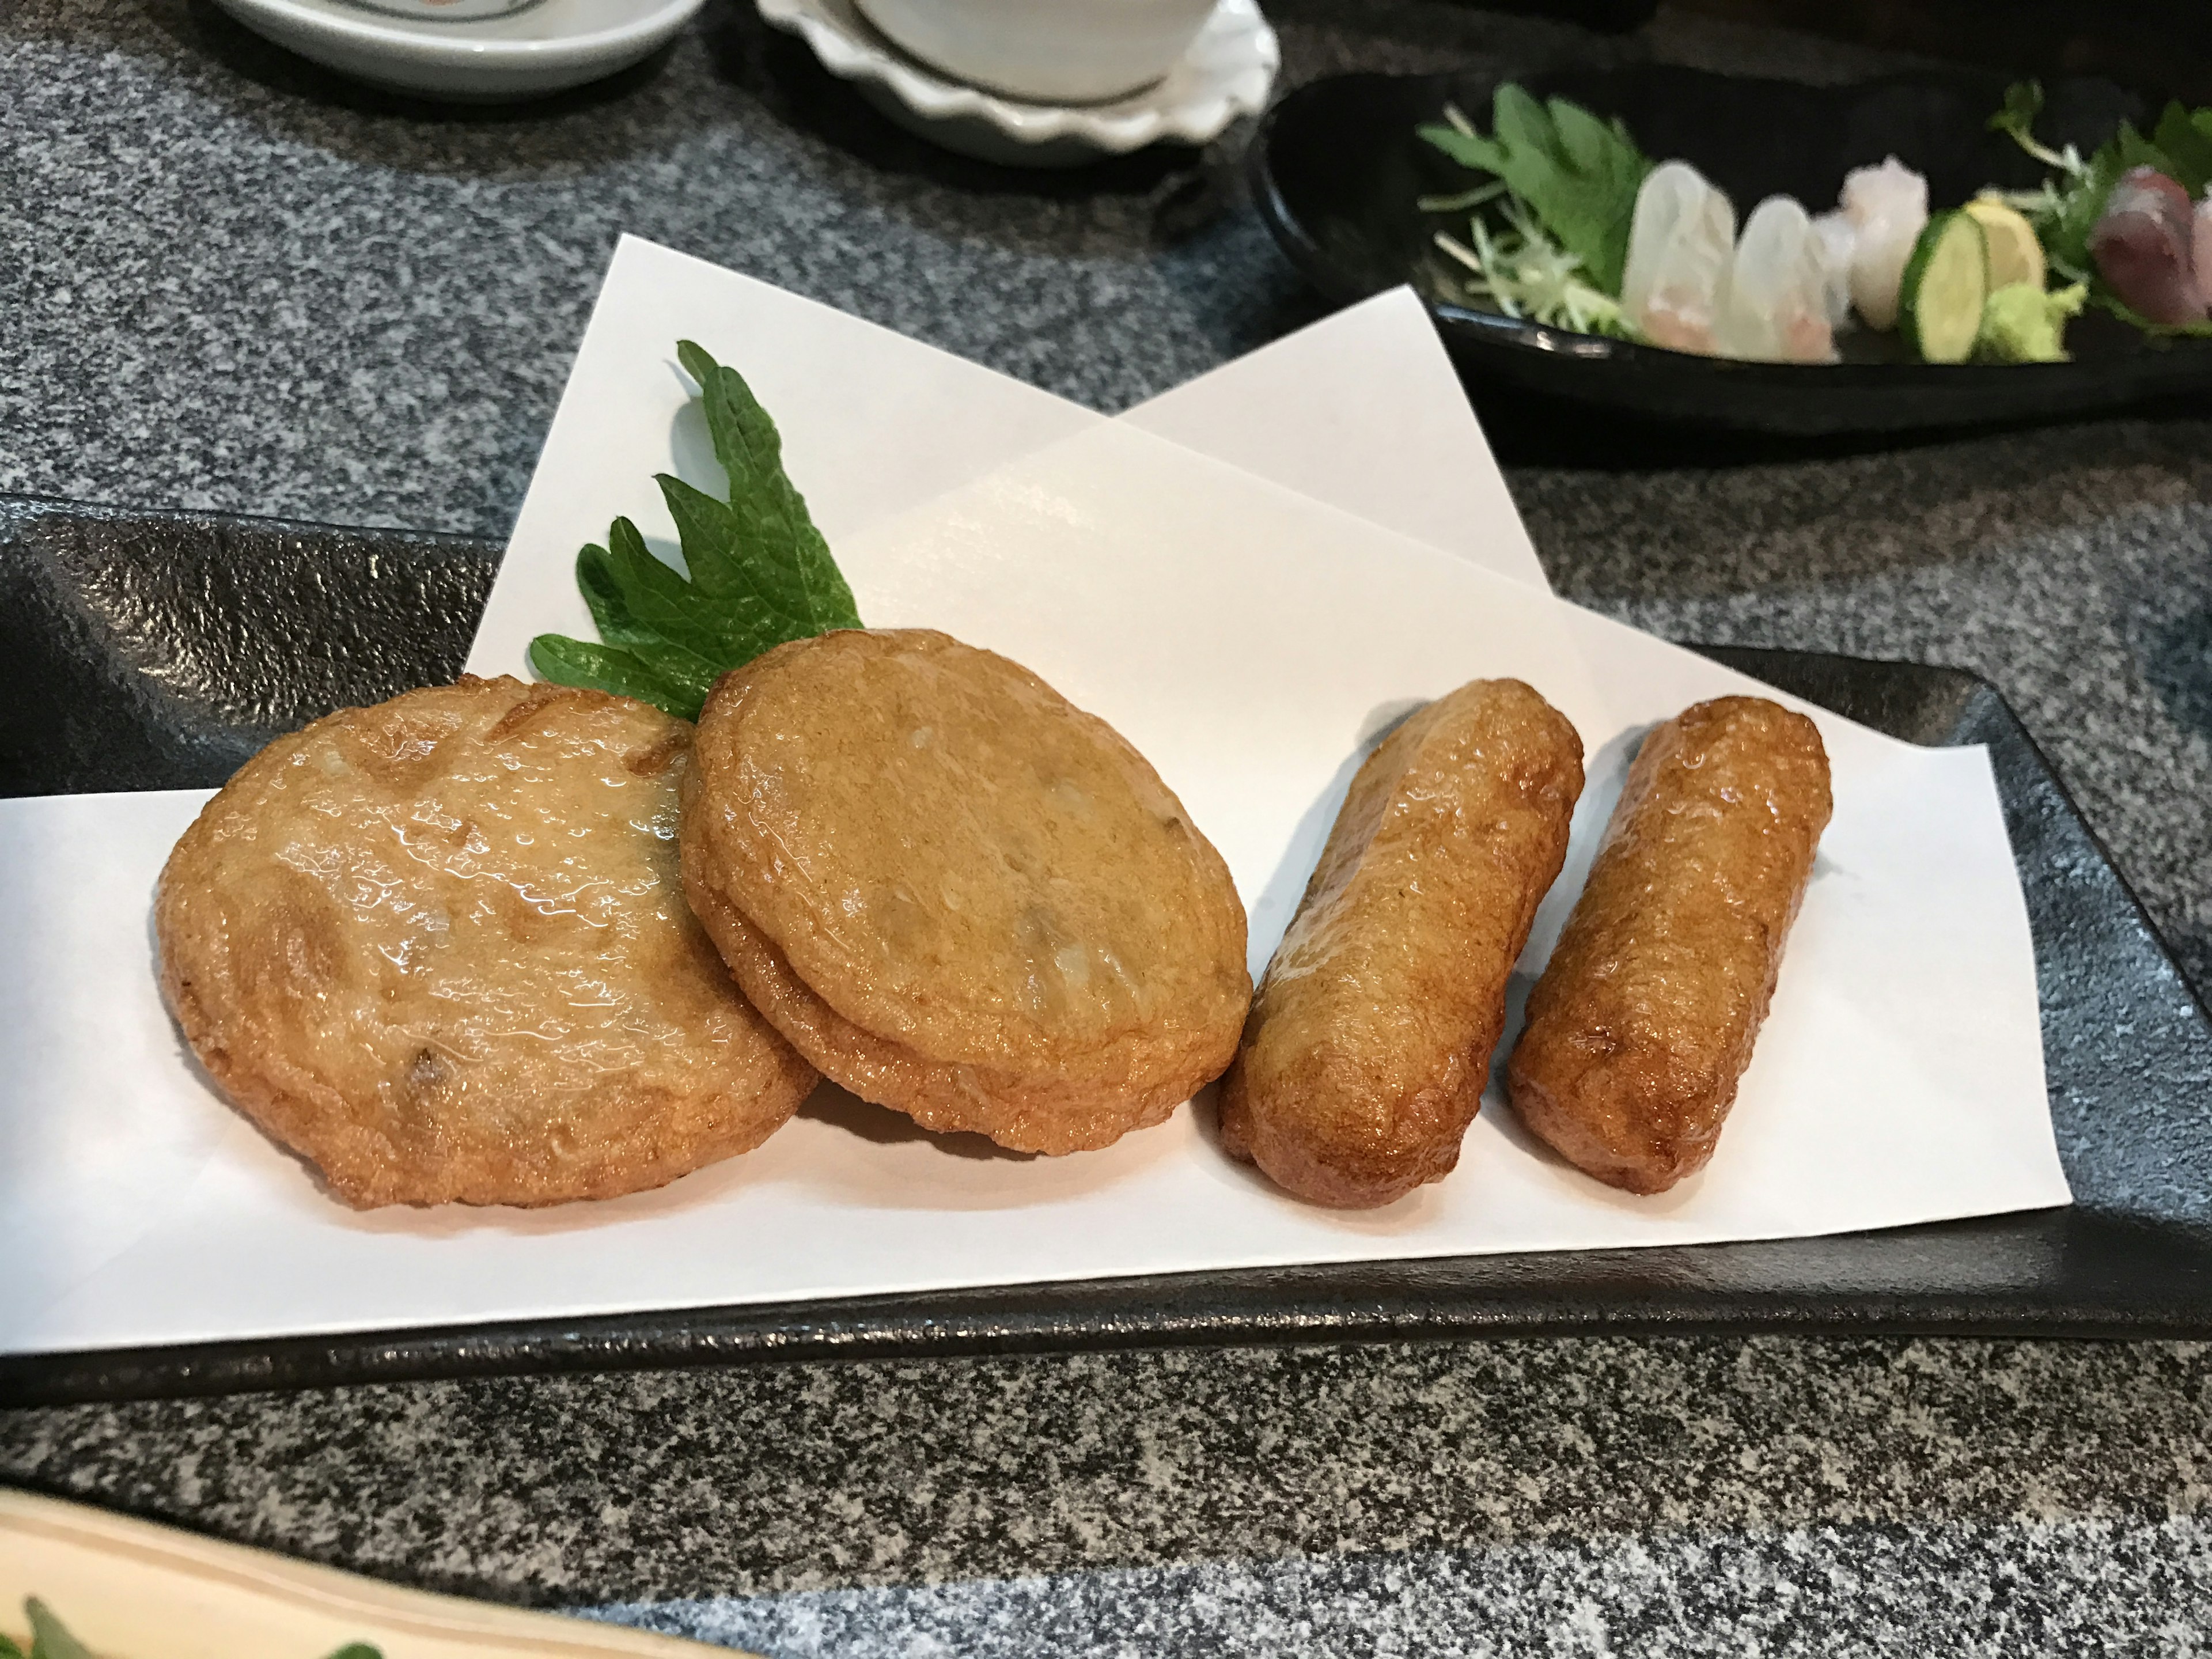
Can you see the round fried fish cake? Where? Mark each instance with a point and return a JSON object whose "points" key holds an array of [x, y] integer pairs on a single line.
{"points": [[1067, 1112], [957, 893], [440, 948]]}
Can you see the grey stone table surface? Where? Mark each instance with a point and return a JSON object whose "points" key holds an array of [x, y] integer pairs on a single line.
{"points": [[229, 281]]}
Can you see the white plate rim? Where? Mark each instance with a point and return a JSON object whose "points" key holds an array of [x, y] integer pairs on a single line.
{"points": [[161, 1575], [450, 45]]}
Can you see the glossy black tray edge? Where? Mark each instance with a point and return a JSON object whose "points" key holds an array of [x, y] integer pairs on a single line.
{"points": [[2130, 1047], [1334, 167]]}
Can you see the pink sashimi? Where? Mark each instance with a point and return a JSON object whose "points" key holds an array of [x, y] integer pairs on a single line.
{"points": [[2201, 246], [2144, 247]]}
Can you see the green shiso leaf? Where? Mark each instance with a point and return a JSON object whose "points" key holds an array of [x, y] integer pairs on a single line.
{"points": [[50, 1638], [1469, 149], [667, 677], [756, 573], [1575, 174], [2185, 138], [802, 580], [711, 531]]}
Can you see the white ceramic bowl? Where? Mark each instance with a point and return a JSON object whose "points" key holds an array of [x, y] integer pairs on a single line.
{"points": [[1045, 51], [1225, 73], [546, 47], [444, 11]]}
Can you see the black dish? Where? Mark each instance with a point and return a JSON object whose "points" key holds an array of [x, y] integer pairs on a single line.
{"points": [[1337, 171], [150, 650]]}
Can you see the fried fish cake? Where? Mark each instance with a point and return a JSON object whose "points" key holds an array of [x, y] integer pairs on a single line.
{"points": [[957, 893], [440, 948], [1643, 1020], [1369, 1044]]}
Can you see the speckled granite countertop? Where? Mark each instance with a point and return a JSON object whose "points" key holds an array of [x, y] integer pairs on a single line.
{"points": [[227, 281]]}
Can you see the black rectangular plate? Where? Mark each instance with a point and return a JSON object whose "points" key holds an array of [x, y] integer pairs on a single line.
{"points": [[1337, 172], [143, 651]]}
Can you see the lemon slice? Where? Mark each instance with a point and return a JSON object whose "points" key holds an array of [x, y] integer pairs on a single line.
{"points": [[2014, 254]]}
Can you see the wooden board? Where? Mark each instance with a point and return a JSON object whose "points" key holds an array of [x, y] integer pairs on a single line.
{"points": [[130, 1589]]}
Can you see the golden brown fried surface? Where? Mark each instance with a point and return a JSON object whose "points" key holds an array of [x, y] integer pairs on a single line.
{"points": [[1369, 1044], [957, 893], [1044, 1112], [440, 948], [1645, 1017]]}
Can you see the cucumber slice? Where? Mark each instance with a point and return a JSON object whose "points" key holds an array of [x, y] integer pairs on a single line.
{"points": [[1939, 303]]}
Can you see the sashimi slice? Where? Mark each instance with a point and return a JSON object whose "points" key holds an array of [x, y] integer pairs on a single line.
{"points": [[1776, 309], [1836, 240], [1680, 244], [2144, 247], [1889, 207], [2200, 245]]}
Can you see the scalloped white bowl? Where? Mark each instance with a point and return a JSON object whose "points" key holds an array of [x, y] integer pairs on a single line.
{"points": [[1044, 51], [1225, 73], [549, 47]]}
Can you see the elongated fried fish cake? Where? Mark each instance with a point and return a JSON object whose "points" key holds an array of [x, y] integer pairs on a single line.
{"points": [[958, 895], [440, 948], [1643, 1020], [1369, 1044]]}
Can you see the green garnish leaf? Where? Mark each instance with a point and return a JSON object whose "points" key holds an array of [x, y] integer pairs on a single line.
{"points": [[2105, 299], [1576, 175], [2136, 151], [2186, 139], [603, 593], [667, 677], [2065, 234], [2023, 102], [804, 582], [2066, 210], [757, 571], [50, 1638], [1469, 149], [752, 617]]}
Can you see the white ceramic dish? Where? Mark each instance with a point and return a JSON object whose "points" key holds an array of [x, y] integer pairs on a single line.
{"points": [[445, 11], [1225, 73], [1041, 51], [129, 1589], [547, 47]]}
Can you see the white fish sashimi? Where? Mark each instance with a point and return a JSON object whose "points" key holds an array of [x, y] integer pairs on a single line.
{"points": [[1888, 206], [1776, 308], [1681, 246], [1836, 240], [1892, 191]]}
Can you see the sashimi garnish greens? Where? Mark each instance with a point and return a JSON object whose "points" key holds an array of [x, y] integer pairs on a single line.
{"points": [[758, 572], [1564, 193], [50, 1639], [1574, 227], [2066, 209]]}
